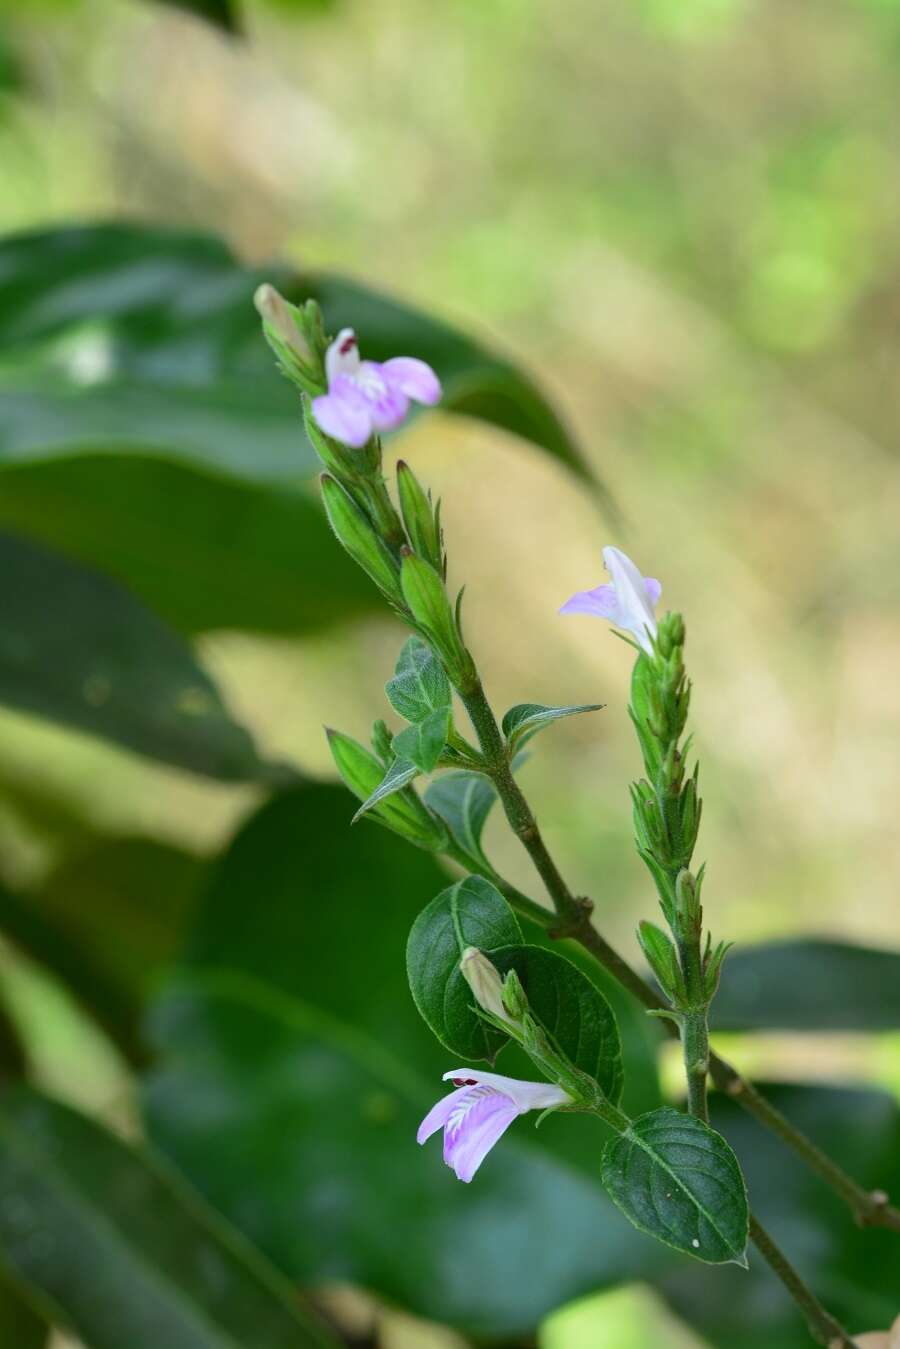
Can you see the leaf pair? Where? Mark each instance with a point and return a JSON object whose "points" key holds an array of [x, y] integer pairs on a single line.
{"points": [[671, 1175]]}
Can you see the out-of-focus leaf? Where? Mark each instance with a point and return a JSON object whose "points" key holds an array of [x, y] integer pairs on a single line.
{"points": [[310, 1149], [20, 1325], [223, 13], [809, 985], [679, 1181], [121, 1252], [317, 1143], [852, 1271], [78, 649], [202, 550], [106, 921]]}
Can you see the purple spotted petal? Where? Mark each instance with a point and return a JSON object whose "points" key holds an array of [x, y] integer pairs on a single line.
{"points": [[473, 1127], [343, 412], [438, 1114], [601, 603], [413, 378]]}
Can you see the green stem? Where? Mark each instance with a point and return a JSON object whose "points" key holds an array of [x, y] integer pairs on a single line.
{"points": [[824, 1329], [695, 1045], [572, 919]]}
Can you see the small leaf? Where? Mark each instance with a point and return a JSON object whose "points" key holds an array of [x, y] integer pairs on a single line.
{"points": [[424, 742], [571, 1008], [419, 686], [398, 776], [126, 1255], [525, 719], [679, 1181], [463, 800], [470, 913]]}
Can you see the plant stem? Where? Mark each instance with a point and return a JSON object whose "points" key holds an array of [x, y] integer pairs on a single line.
{"points": [[695, 1043], [571, 918], [824, 1329]]}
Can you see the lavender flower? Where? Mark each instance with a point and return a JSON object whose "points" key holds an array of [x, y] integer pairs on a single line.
{"points": [[629, 602], [478, 1113], [365, 397]]}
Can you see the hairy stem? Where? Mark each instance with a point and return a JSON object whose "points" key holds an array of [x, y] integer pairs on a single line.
{"points": [[571, 918]]}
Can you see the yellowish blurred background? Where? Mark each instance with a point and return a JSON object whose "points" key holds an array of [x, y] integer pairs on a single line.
{"points": [[682, 214]]}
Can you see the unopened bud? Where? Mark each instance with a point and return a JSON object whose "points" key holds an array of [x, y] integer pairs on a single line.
{"points": [[419, 517], [287, 330], [485, 982], [426, 598], [356, 532], [661, 957]]}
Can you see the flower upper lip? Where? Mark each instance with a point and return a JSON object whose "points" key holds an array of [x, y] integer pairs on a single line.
{"points": [[628, 601]]}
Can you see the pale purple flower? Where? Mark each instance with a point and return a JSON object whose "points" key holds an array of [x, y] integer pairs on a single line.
{"points": [[477, 1114], [629, 601], [365, 397]]}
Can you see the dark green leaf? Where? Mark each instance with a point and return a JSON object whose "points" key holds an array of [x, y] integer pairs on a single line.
{"points": [[311, 1148], [680, 1182], [202, 550], [398, 776], [20, 1325], [809, 985], [424, 742], [525, 720], [463, 800], [420, 686], [310, 1114], [78, 649], [470, 913], [123, 1254], [571, 1007], [223, 13], [853, 1271]]}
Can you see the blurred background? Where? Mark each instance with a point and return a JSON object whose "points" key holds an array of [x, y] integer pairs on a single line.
{"points": [[681, 217]]}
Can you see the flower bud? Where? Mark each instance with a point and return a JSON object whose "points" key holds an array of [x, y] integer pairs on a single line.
{"points": [[288, 331], [426, 598], [420, 518], [485, 982], [661, 957], [357, 534]]}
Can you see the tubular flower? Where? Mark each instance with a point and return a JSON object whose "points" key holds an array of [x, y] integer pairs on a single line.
{"points": [[629, 602], [365, 397], [477, 1114]]}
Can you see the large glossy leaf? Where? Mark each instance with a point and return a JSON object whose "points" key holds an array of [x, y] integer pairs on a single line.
{"points": [[302, 1129], [307, 910], [809, 985], [121, 1253], [679, 1181], [222, 13], [78, 649], [21, 1327], [852, 1271]]}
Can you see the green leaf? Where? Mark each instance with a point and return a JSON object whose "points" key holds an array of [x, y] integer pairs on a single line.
{"points": [[121, 1253], [424, 743], [79, 650], [463, 800], [853, 1271], [314, 1118], [525, 720], [400, 809], [399, 775], [311, 1147], [572, 1008], [470, 913], [679, 1181], [809, 985], [419, 687], [222, 13], [20, 1325]]}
